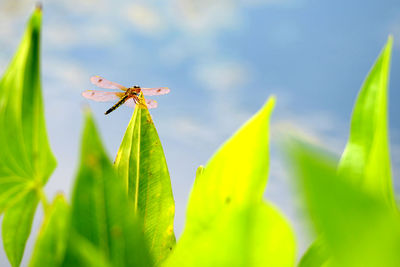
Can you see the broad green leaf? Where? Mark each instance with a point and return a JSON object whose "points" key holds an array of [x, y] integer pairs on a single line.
{"points": [[141, 164], [51, 242], [26, 160], [366, 158], [101, 213], [359, 228], [235, 176], [255, 235], [17, 223], [227, 222]]}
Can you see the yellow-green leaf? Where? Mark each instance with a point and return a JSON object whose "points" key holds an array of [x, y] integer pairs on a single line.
{"points": [[359, 228], [228, 224], [366, 158], [236, 175], [316, 255], [255, 235], [101, 214], [142, 166], [52, 239], [26, 160]]}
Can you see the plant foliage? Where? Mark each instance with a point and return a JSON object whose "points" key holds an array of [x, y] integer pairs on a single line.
{"points": [[26, 160], [142, 166], [122, 214], [366, 164]]}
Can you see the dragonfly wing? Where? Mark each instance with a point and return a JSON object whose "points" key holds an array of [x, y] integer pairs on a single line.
{"points": [[103, 83], [130, 103], [155, 91], [149, 103], [101, 96]]}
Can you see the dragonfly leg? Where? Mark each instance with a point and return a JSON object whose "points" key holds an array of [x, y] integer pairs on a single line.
{"points": [[136, 99]]}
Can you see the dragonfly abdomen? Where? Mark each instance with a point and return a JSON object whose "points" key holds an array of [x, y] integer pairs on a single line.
{"points": [[119, 103]]}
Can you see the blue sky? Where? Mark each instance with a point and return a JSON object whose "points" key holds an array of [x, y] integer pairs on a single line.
{"points": [[222, 59]]}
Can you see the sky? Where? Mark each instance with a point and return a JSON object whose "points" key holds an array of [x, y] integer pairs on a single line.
{"points": [[222, 59]]}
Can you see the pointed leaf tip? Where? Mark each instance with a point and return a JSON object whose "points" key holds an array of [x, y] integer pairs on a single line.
{"points": [[142, 166], [39, 7], [226, 219], [26, 159]]}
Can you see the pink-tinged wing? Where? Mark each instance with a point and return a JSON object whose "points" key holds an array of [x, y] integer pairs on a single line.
{"points": [[101, 96], [155, 91], [103, 83], [149, 103], [130, 103]]}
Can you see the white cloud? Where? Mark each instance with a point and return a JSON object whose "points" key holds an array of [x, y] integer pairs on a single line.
{"points": [[187, 130], [394, 29], [64, 73], [318, 128], [60, 35], [280, 3], [145, 18], [222, 76], [199, 16], [80, 8]]}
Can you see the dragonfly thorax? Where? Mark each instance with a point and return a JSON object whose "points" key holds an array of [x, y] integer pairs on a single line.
{"points": [[135, 90]]}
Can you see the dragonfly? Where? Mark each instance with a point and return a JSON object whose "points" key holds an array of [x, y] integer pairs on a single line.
{"points": [[130, 95]]}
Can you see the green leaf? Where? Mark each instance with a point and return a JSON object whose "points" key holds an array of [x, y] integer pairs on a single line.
{"points": [[81, 252], [142, 166], [101, 213], [255, 235], [51, 243], [236, 175], [228, 224], [316, 255], [17, 223], [366, 158], [26, 160], [359, 228]]}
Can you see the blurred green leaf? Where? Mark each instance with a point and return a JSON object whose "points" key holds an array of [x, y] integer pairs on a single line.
{"points": [[26, 160], [80, 252], [366, 158], [17, 223], [228, 224], [101, 214], [358, 227], [141, 164], [316, 255], [255, 235], [52, 239]]}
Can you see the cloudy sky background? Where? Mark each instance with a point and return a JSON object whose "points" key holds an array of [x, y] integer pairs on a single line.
{"points": [[222, 59]]}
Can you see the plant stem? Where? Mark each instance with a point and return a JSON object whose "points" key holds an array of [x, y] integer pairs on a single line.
{"points": [[43, 198]]}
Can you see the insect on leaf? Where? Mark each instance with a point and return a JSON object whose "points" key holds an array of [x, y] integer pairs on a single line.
{"points": [[101, 217], [26, 160], [142, 166]]}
